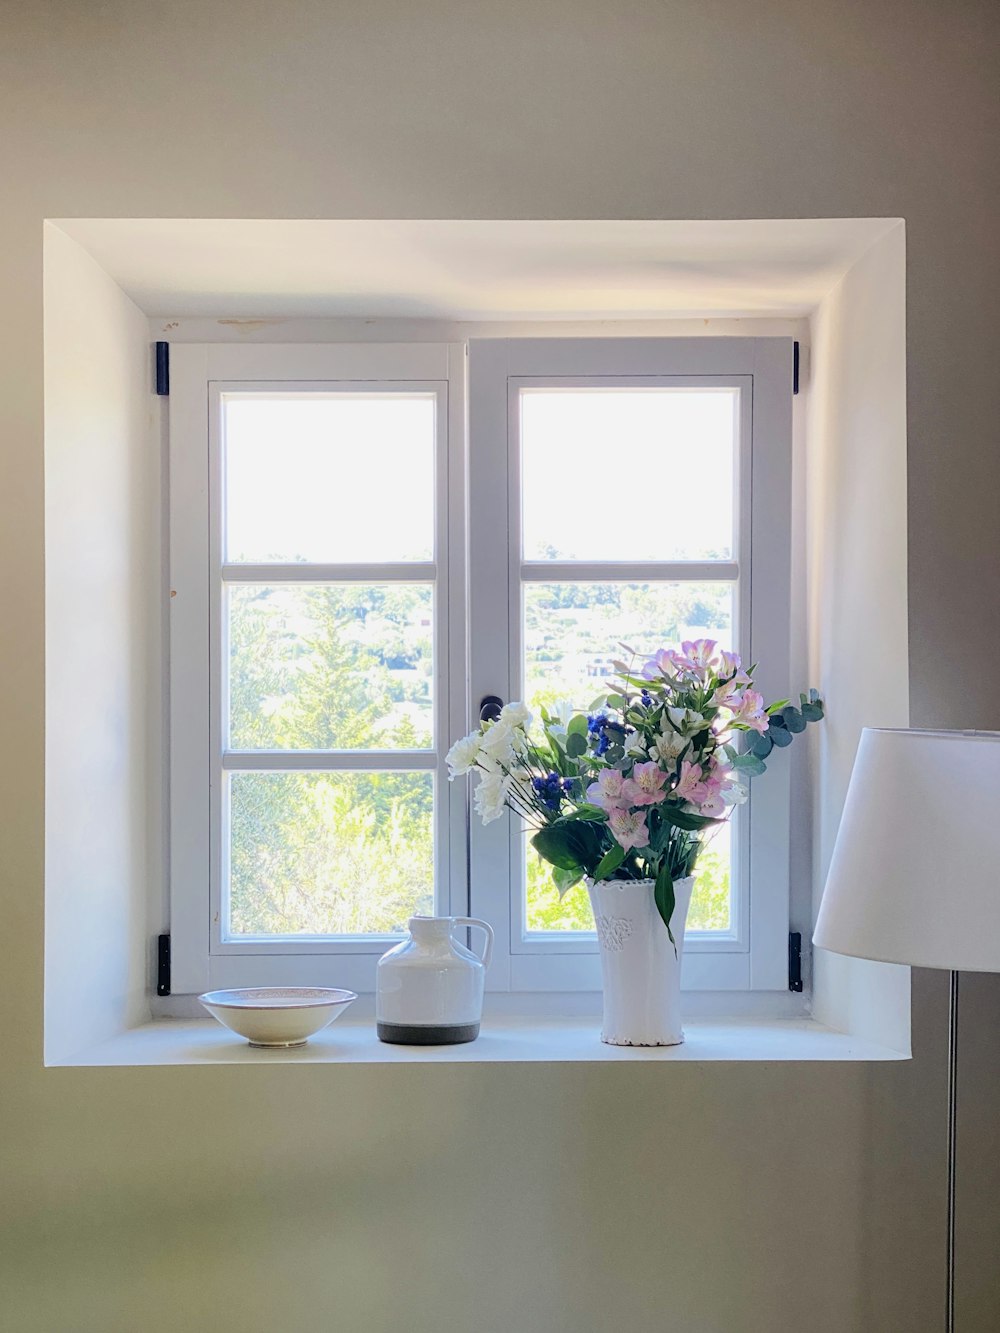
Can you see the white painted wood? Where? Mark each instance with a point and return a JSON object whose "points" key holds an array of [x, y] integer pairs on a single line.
{"points": [[201, 376], [283, 761], [415, 571], [760, 369], [634, 571], [190, 727]]}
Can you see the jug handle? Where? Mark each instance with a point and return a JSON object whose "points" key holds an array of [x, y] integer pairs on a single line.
{"points": [[473, 922]]}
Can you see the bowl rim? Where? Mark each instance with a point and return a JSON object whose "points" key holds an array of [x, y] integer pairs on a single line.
{"points": [[332, 996]]}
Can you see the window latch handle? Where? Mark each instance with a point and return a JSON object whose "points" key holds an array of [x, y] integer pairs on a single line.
{"points": [[489, 707]]}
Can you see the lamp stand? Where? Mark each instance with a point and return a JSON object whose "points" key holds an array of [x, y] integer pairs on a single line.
{"points": [[952, 1139]]}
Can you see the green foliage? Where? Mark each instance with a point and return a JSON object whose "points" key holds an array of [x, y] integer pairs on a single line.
{"points": [[314, 668]]}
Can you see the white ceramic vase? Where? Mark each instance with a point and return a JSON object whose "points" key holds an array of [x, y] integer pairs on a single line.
{"points": [[641, 971], [429, 988]]}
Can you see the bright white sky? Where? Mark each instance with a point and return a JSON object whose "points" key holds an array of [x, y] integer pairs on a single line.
{"points": [[608, 474], [628, 474]]}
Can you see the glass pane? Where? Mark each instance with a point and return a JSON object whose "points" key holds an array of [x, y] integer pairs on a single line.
{"points": [[588, 454], [329, 853], [329, 477], [572, 632], [345, 666]]}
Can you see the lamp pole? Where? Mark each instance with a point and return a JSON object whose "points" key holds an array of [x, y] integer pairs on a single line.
{"points": [[952, 1140]]}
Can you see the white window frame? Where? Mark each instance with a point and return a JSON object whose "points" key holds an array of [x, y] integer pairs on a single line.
{"points": [[755, 956], [200, 375], [476, 634]]}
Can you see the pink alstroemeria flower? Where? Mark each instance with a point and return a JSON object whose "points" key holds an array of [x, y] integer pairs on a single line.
{"points": [[664, 662], [690, 786], [749, 710], [611, 789], [648, 780], [628, 827], [699, 655]]}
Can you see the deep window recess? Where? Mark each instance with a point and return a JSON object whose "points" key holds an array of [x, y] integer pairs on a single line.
{"points": [[333, 628]]}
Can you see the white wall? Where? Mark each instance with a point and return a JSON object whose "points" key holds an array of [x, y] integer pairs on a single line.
{"points": [[102, 685], [724, 1200], [857, 563]]}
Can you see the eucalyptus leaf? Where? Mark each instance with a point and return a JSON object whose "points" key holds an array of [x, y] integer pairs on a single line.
{"points": [[750, 764], [761, 745], [780, 737], [616, 701], [576, 745], [576, 725], [794, 720]]}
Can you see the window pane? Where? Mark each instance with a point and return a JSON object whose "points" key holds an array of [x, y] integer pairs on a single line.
{"points": [[331, 666], [329, 853], [572, 631], [329, 477], [628, 474]]}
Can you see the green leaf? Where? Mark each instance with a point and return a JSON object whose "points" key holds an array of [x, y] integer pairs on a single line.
{"points": [[610, 862], [761, 745], [616, 701], [577, 725], [555, 845], [565, 879], [592, 812], [614, 753], [777, 706], [812, 712], [749, 763], [570, 844], [684, 819], [779, 737], [663, 896], [576, 745], [794, 720]]}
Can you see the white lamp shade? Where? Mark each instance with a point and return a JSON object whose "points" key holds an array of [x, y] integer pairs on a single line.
{"points": [[915, 873]]}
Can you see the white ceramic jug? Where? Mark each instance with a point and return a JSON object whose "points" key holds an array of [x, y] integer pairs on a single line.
{"points": [[429, 988]]}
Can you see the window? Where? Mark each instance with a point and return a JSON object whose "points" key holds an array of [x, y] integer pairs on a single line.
{"points": [[342, 602]]}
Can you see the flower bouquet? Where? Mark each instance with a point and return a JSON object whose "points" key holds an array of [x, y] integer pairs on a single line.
{"points": [[632, 790], [626, 796]]}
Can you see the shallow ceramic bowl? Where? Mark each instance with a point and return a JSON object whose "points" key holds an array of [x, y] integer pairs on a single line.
{"points": [[277, 1015]]}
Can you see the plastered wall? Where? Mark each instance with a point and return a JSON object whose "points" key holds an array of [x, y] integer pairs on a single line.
{"points": [[703, 1199]]}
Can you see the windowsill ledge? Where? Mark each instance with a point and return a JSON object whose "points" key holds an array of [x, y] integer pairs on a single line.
{"points": [[502, 1041]]}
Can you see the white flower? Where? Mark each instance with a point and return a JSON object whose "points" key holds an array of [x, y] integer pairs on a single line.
{"points": [[491, 795], [461, 758], [686, 720], [496, 746], [517, 714], [668, 748], [635, 744]]}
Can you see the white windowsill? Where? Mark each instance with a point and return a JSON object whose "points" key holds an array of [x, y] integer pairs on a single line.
{"points": [[502, 1041]]}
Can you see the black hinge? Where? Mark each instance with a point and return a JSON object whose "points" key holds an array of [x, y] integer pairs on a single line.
{"points": [[794, 960], [163, 369], [163, 965], [795, 367]]}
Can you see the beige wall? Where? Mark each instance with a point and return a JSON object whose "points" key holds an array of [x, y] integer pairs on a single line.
{"points": [[421, 1198]]}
